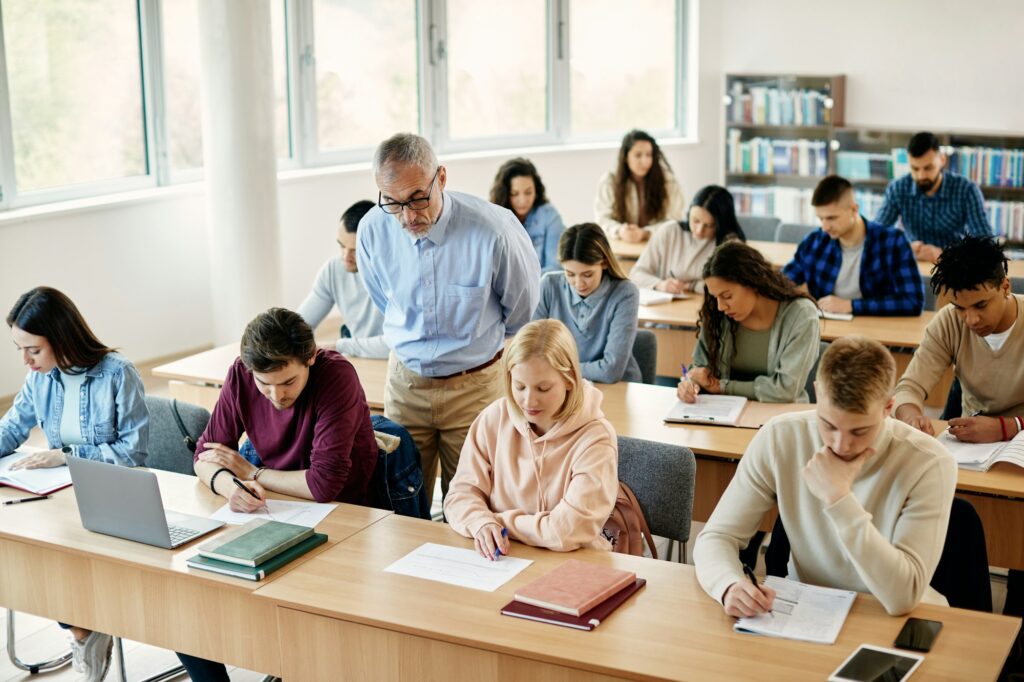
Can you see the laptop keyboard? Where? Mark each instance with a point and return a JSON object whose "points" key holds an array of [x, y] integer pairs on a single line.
{"points": [[181, 534]]}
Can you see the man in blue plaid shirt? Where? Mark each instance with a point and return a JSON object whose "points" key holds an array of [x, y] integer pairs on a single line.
{"points": [[854, 266], [938, 208]]}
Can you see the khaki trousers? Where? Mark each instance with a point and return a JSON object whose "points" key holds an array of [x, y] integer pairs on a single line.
{"points": [[438, 412]]}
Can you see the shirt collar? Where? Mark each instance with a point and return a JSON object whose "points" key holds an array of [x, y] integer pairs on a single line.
{"points": [[437, 231], [596, 297]]}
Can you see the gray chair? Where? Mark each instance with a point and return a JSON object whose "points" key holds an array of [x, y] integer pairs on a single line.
{"points": [[814, 370], [1017, 285], [662, 477], [929, 295], [759, 228], [645, 350], [792, 233]]}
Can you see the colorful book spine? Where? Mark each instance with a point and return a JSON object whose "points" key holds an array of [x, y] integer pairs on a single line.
{"points": [[765, 156], [989, 167], [764, 105]]}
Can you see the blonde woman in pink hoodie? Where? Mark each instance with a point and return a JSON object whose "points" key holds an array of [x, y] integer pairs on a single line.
{"points": [[542, 462]]}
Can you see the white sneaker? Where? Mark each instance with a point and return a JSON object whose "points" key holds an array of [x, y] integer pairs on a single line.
{"points": [[77, 654], [96, 652]]}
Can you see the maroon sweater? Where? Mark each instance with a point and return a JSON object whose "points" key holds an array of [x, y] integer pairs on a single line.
{"points": [[327, 430]]}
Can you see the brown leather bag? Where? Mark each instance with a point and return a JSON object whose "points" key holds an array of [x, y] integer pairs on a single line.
{"points": [[627, 528]]}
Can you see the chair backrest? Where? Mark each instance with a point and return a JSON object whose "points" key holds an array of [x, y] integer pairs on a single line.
{"points": [[645, 350], [662, 477], [814, 370], [792, 233], [1017, 285], [929, 295], [759, 228], [167, 448], [961, 575]]}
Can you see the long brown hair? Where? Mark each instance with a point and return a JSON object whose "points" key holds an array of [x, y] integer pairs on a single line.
{"points": [[742, 264], [586, 243], [652, 190], [49, 313]]}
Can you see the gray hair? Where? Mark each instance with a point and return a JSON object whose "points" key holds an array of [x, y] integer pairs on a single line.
{"points": [[403, 148]]}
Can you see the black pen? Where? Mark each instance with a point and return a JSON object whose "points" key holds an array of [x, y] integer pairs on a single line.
{"points": [[245, 488], [753, 578], [28, 499]]}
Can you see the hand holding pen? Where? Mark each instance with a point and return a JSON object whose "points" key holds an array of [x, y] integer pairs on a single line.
{"points": [[253, 499], [492, 541], [688, 389], [745, 598]]}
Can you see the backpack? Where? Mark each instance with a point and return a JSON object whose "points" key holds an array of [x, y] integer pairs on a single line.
{"points": [[627, 528]]}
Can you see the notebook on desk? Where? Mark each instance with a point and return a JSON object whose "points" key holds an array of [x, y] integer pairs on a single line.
{"points": [[652, 297], [723, 410], [35, 481]]}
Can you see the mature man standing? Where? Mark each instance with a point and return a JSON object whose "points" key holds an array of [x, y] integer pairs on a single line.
{"points": [[938, 208], [454, 275]]}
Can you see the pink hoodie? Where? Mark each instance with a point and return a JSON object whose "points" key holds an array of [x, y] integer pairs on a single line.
{"points": [[554, 491]]}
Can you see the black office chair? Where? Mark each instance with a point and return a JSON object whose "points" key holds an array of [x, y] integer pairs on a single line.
{"points": [[645, 350]]}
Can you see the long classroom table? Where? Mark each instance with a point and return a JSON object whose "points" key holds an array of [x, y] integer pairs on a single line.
{"points": [[342, 617], [51, 566]]}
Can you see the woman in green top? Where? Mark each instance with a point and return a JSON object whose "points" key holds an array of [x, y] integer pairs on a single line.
{"points": [[758, 336]]}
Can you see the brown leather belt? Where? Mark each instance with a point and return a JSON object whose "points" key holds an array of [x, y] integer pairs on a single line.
{"points": [[473, 369]]}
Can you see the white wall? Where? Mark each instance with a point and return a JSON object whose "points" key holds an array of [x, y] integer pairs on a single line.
{"points": [[139, 270]]}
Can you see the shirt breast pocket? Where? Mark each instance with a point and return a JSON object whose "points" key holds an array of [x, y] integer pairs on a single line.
{"points": [[462, 309], [104, 432]]}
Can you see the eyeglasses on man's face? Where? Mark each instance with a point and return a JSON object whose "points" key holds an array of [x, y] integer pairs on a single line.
{"points": [[417, 204]]}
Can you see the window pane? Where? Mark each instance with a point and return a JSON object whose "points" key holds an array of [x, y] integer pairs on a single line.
{"points": [[181, 82], [366, 71], [279, 50], [75, 90], [623, 72], [497, 80]]}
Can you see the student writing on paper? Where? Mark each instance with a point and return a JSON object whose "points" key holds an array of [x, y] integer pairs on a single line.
{"points": [[758, 335], [852, 265], [89, 402], [864, 498], [593, 298], [518, 187], [641, 191], [541, 461], [674, 259], [339, 284]]}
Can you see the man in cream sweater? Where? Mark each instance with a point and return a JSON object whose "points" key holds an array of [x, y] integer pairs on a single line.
{"points": [[865, 498]]}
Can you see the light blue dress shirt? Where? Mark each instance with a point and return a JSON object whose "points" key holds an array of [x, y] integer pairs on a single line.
{"points": [[603, 324], [451, 297], [112, 414], [545, 228]]}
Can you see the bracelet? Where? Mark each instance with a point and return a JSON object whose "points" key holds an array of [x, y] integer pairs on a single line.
{"points": [[1020, 423], [259, 470], [1002, 425], [217, 473]]}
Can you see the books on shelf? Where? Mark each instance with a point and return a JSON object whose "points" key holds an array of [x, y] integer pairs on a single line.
{"points": [[35, 481], [804, 612], [854, 165], [255, 542], [981, 456], [765, 156], [766, 105], [788, 204], [574, 587], [262, 570], [587, 621], [1006, 218], [989, 167]]}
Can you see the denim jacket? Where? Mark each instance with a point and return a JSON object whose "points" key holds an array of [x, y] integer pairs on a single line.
{"points": [[113, 418]]}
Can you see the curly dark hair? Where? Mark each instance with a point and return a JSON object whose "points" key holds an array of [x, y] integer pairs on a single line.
{"points": [[740, 263], [652, 190], [516, 168], [968, 264]]}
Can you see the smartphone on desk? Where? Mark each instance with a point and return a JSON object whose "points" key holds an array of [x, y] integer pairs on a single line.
{"points": [[918, 634]]}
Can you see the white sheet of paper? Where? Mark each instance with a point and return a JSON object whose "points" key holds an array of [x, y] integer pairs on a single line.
{"points": [[715, 409], [300, 513], [845, 317], [805, 612], [38, 481], [968, 453], [457, 566]]}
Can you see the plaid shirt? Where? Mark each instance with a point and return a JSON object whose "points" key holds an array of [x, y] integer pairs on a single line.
{"points": [[956, 210], [890, 283]]}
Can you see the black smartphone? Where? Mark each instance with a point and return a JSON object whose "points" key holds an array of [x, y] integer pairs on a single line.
{"points": [[918, 634]]}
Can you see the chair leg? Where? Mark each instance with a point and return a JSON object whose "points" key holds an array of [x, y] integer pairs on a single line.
{"points": [[168, 674], [31, 668]]}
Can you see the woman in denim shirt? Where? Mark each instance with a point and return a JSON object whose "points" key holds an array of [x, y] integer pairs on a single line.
{"points": [[518, 187], [87, 399]]}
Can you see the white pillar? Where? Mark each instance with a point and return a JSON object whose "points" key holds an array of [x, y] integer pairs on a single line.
{"points": [[240, 162]]}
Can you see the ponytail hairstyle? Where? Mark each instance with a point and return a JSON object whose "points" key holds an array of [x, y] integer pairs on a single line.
{"points": [[586, 243]]}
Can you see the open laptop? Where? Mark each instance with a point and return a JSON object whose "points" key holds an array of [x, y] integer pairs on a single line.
{"points": [[126, 503]]}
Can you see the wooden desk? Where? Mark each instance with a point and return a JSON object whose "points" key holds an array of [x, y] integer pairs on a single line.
{"points": [[342, 617], [198, 378], [637, 410], [52, 567]]}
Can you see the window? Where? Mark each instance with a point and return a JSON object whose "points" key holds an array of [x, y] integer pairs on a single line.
{"points": [[366, 71], [75, 98]]}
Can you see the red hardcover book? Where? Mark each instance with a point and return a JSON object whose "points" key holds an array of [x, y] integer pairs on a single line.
{"points": [[588, 621], [575, 587]]}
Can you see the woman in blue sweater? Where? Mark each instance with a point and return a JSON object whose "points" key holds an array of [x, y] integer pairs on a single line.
{"points": [[518, 187]]}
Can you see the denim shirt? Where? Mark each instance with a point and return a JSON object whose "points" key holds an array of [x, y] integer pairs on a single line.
{"points": [[113, 415], [545, 228]]}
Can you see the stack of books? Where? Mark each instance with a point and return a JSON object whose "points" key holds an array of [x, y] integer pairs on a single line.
{"points": [[575, 595], [255, 550]]}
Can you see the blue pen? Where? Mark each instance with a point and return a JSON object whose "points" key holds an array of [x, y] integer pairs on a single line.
{"points": [[497, 552], [684, 370]]}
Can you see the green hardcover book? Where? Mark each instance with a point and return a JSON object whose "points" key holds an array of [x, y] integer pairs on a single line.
{"points": [[262, 570], [255, 542]]}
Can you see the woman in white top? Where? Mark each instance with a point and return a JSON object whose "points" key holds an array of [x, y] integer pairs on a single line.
{"points": [[675, 257], [642, 191]]}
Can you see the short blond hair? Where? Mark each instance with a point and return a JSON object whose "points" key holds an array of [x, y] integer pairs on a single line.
{"points": [[552, 341], [856, 372]]}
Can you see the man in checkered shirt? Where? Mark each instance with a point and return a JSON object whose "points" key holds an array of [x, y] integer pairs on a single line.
{"points": [[852, 265]]}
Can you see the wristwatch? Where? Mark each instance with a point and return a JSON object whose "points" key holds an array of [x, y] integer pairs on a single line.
{"points": [[68, 451]]}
